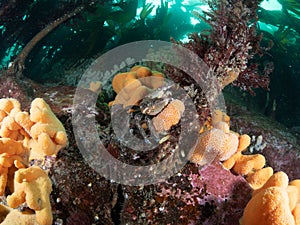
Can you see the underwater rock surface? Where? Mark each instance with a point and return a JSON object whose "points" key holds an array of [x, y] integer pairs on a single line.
{"points": [[279, 146], [209, 195], [80, 195], [11, 88]]}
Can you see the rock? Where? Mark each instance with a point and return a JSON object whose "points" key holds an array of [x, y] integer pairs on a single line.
{"points": [[211, 195], [279, 145]]}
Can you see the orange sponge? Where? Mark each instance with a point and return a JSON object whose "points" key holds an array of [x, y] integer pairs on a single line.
{"points": [[118, 82], [276, 202], [296, 214], [169, 117], [232, 75], [21, 135], [11, 216], [134, 85], [296, 183], [244, 142], [94, 86], [143, 71], [48, 134], [258, 178], [279, 179], [33, 186], [244, 164], [268, 207], [218, 142], [247, 163], [11, 154], [292, 196]]}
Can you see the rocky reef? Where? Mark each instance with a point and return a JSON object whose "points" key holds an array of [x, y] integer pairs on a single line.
{"points": [[195, 195], [46, 179]]}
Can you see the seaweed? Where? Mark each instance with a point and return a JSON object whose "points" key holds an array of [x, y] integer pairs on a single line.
{"points": [[232, 43]]}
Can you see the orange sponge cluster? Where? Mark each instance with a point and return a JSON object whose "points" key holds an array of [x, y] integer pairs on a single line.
{"points": [[245, 164], [24, 136], [40, 131], [276, 202], [274, 199], [134, 85]]}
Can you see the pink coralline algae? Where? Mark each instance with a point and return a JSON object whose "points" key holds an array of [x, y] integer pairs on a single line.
{"points": [[209, 195]]}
